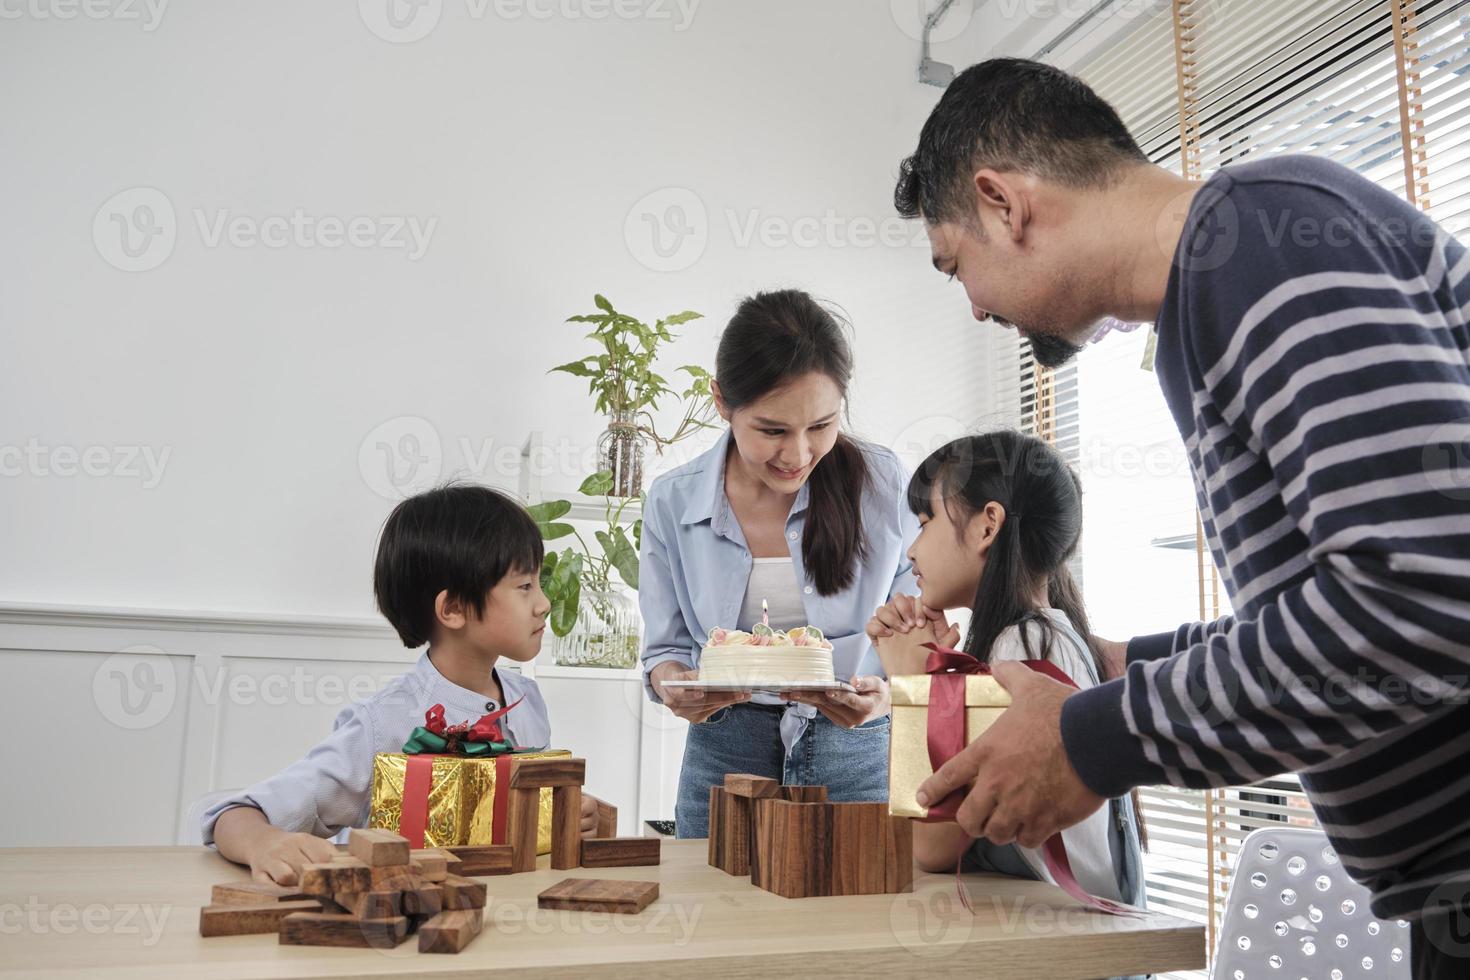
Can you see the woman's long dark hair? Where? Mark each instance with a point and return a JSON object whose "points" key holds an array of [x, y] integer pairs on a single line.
{"points": [[773, 339], [1042, 498]]}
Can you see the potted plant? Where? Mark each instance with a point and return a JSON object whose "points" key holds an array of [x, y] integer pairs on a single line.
{"points": [[626, 389], [593, 618]]}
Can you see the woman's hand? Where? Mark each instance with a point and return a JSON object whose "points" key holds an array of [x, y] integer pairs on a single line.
{"points": [[844, 709], [692, 706]]}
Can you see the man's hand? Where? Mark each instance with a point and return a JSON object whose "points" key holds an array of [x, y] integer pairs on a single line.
{"points": [[281, 856], [692, 706], [848, 710], [1023, 788]]}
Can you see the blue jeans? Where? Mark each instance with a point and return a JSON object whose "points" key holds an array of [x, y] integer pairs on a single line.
{"points": [[851, 762]]}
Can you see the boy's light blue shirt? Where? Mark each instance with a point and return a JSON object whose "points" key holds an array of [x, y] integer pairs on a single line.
{"points": [[694, 566], [330, 787]]}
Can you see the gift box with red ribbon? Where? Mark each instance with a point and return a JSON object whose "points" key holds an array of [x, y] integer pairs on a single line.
{"points": [[450, 784], [935, 715]]}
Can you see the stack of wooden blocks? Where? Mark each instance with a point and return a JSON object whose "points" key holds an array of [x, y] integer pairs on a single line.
{"points": [[380, 891], [792, 842], [376, 895]]}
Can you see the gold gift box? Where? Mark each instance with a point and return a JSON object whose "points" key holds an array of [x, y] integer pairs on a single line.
{"points": [[461, 798], [908, 743]]}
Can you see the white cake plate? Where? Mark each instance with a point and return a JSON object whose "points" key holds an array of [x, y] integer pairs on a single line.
{"points": [[772, 687]]}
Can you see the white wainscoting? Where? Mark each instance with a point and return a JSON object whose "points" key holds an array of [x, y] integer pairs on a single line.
{"points": [[118, 719]]}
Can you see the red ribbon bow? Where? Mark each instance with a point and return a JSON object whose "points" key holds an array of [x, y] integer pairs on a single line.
{"points": [[946, 735]]}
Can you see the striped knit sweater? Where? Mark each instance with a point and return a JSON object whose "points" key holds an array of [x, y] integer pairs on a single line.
{"points": [[1314, 352]]}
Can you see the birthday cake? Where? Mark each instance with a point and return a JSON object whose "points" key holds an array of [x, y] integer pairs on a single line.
{"points": [[766, 656]]}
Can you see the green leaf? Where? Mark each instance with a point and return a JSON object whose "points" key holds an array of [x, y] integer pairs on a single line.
{"points": [[597, 485], [624, 557], [545, 515], [548, 569], [638, 534], [579, 368], [694, 370], [679, 318], [603, 304], [566, 584]]}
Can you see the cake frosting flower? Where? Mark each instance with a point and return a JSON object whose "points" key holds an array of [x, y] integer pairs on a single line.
{"points": [[765, 636]]}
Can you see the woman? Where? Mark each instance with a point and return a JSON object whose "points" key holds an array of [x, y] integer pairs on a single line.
{"points": [[787, 509]]}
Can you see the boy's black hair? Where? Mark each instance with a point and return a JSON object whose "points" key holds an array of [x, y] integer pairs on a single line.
{"points": [[462, 538], [1017, 115]]}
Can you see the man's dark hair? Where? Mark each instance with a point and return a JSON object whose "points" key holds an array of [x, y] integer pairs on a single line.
{"points": [[1017, 115], [461, 538]]}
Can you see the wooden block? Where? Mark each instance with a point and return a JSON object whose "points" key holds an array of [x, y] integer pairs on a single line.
{"points": [[598, 895], [716, 823], [859, 833], [254, 893], [341, 875], [450, 932], [751, 787], [377, 848], [793, 842], [451, 860], [320, 929], [249, 920], [566, 826], [522, 822], [462, 893], [430, 865], [804, 794], [607, 819], [535, 773], [620, 852], [394, 877], [899, 856], [424, 901], [376, 904], [492, 859]]}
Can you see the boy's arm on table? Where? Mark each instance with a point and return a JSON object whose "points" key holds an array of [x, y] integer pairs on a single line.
{"points": [[281, 823]]}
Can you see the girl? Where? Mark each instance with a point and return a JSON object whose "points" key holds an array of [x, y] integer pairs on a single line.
{"points": [[788, 509], [1000, 516]]}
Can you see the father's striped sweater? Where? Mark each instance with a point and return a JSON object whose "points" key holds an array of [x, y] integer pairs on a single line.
{"points": [[1314, 352]]}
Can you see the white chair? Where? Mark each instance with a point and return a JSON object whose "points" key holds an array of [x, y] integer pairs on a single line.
{"points": [[1293, 912]]}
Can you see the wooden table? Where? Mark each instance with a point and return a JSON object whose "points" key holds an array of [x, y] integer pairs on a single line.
{"points": [[133, 912]]}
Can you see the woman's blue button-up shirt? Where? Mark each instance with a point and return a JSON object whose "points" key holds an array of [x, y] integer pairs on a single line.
{"points": [[695, 563]]}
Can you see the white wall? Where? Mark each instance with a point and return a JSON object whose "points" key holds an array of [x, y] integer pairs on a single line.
{"points": [[264, 378], [195, 426]]}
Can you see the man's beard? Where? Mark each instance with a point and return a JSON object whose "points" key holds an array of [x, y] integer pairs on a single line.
{"points": [[1052, 352]]}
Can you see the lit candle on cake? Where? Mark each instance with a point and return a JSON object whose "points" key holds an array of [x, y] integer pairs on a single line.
{"points": [[765, 614]]}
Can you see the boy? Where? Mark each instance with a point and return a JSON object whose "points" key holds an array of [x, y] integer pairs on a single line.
{"points": [[457, 568]]}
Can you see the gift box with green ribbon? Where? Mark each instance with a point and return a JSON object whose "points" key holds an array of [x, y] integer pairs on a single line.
{"points": [[450, 784]]}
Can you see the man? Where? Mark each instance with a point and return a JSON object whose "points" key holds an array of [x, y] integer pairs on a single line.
{"points": [[1312, 348]]}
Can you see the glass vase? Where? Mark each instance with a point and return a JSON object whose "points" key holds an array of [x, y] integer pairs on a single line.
{"points": [[620, 451], [608, 632]]}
